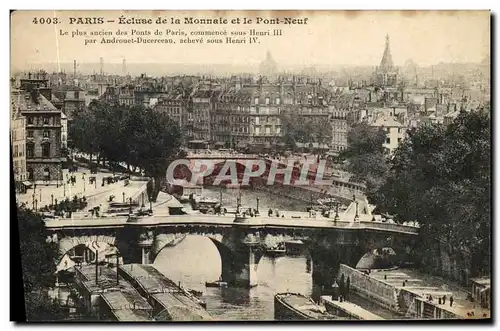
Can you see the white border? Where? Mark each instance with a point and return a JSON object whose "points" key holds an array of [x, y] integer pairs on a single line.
{"points": [[214, 4]]}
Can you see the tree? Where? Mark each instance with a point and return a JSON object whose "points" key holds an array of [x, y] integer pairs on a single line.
{"points": [[366, 157], [139, 136], [304, 130], [37, 260], [440, 177], [37, 256]]}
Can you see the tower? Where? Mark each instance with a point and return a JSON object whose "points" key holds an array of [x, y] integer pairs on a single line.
{"points": [[102, 66], [386, 75]]}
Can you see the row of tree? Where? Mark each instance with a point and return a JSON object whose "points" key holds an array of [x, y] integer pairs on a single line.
{"points": [[139, 136], [439, 176], [303, 130]]}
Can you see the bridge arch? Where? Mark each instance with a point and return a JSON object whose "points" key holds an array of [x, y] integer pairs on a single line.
{"points": [[66, 244]]}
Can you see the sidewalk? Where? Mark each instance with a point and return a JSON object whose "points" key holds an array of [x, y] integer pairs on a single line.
{"points": [[46, 194], [424, 284]]}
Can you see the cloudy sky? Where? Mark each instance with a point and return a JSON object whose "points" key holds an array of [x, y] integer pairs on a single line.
{"points": [[329, 38]]}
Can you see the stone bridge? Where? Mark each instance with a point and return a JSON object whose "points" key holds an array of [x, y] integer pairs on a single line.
{"points": [[241, 241]]}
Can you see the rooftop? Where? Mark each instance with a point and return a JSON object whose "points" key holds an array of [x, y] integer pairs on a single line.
{"points": [[387, 121], [125, 300], [25, 101]]}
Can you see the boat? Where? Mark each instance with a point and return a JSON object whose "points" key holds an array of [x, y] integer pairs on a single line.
{"points": [[278, 250], [195, 292], [295, 306], [294, 246], [217, 283]]}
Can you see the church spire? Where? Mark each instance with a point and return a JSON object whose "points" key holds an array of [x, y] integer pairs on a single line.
{"points": [[386, 63]]}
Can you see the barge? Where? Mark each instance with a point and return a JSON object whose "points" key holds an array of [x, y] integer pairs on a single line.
{"points": [[294, 306]]}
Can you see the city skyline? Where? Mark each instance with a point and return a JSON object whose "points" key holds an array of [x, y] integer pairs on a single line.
{"points": [[426, 38]]}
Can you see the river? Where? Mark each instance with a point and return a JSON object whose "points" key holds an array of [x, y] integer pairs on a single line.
{"points": [[196, 260]]}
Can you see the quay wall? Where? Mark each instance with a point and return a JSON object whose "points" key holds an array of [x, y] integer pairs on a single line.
{"points": [[300, 193], [370, 288]]}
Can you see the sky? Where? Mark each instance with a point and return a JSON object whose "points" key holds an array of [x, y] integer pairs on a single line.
{"points": [[328, 38]]}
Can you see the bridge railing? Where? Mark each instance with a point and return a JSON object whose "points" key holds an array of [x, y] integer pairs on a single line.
{"points": [[390, 226]]}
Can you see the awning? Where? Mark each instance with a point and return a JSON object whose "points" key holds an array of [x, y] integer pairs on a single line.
{"points": [[26, 183]]}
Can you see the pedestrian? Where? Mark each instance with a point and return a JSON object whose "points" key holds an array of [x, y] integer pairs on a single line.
{"points": [[270, 212], [444, 299], [451, 301], [385, 277], [439, 300]]}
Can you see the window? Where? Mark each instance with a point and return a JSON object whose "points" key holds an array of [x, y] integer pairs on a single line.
{"points": [[278, 130], [30, 150], [278, 101], [267, 101], [388, 140], [30, 133], [257, 120], [45, 121], [15, 150], [256, 101], [77, 94], [399, 140], [268, 130], [46, 134], [30, 120], [46, 150], [257, 131]]}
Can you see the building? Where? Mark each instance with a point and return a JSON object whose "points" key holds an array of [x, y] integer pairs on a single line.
{"points": [[268, 67], [64, 131], [395, 131], [43, 129], [340, 127], [481, 291], [18, 140], [204, 98], [73, 99], [386, 75]]}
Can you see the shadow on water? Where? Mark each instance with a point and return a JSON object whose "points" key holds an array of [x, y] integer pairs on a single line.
{"points": [[196, 260]]}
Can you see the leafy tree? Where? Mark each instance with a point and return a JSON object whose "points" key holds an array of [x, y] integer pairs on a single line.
{"points": [[440, 177], [37, 260], [136, 135], [366, 157], [41, 308], [153, 141], [300, 129]]}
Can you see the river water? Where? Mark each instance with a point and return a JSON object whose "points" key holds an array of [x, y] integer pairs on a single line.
{"points": [[196, 260]]}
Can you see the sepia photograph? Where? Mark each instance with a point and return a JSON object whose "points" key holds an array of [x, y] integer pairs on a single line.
{"points": [[251, 165]]}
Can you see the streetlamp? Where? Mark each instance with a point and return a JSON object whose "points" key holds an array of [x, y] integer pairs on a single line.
{"points": [[83, 178], [52, 199], [257, 205], [356, 217], [142, 205], [151, 205], [337, 217], [36, 204], [33, 200], [40, 195], [123, 195], [130, 205]]}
